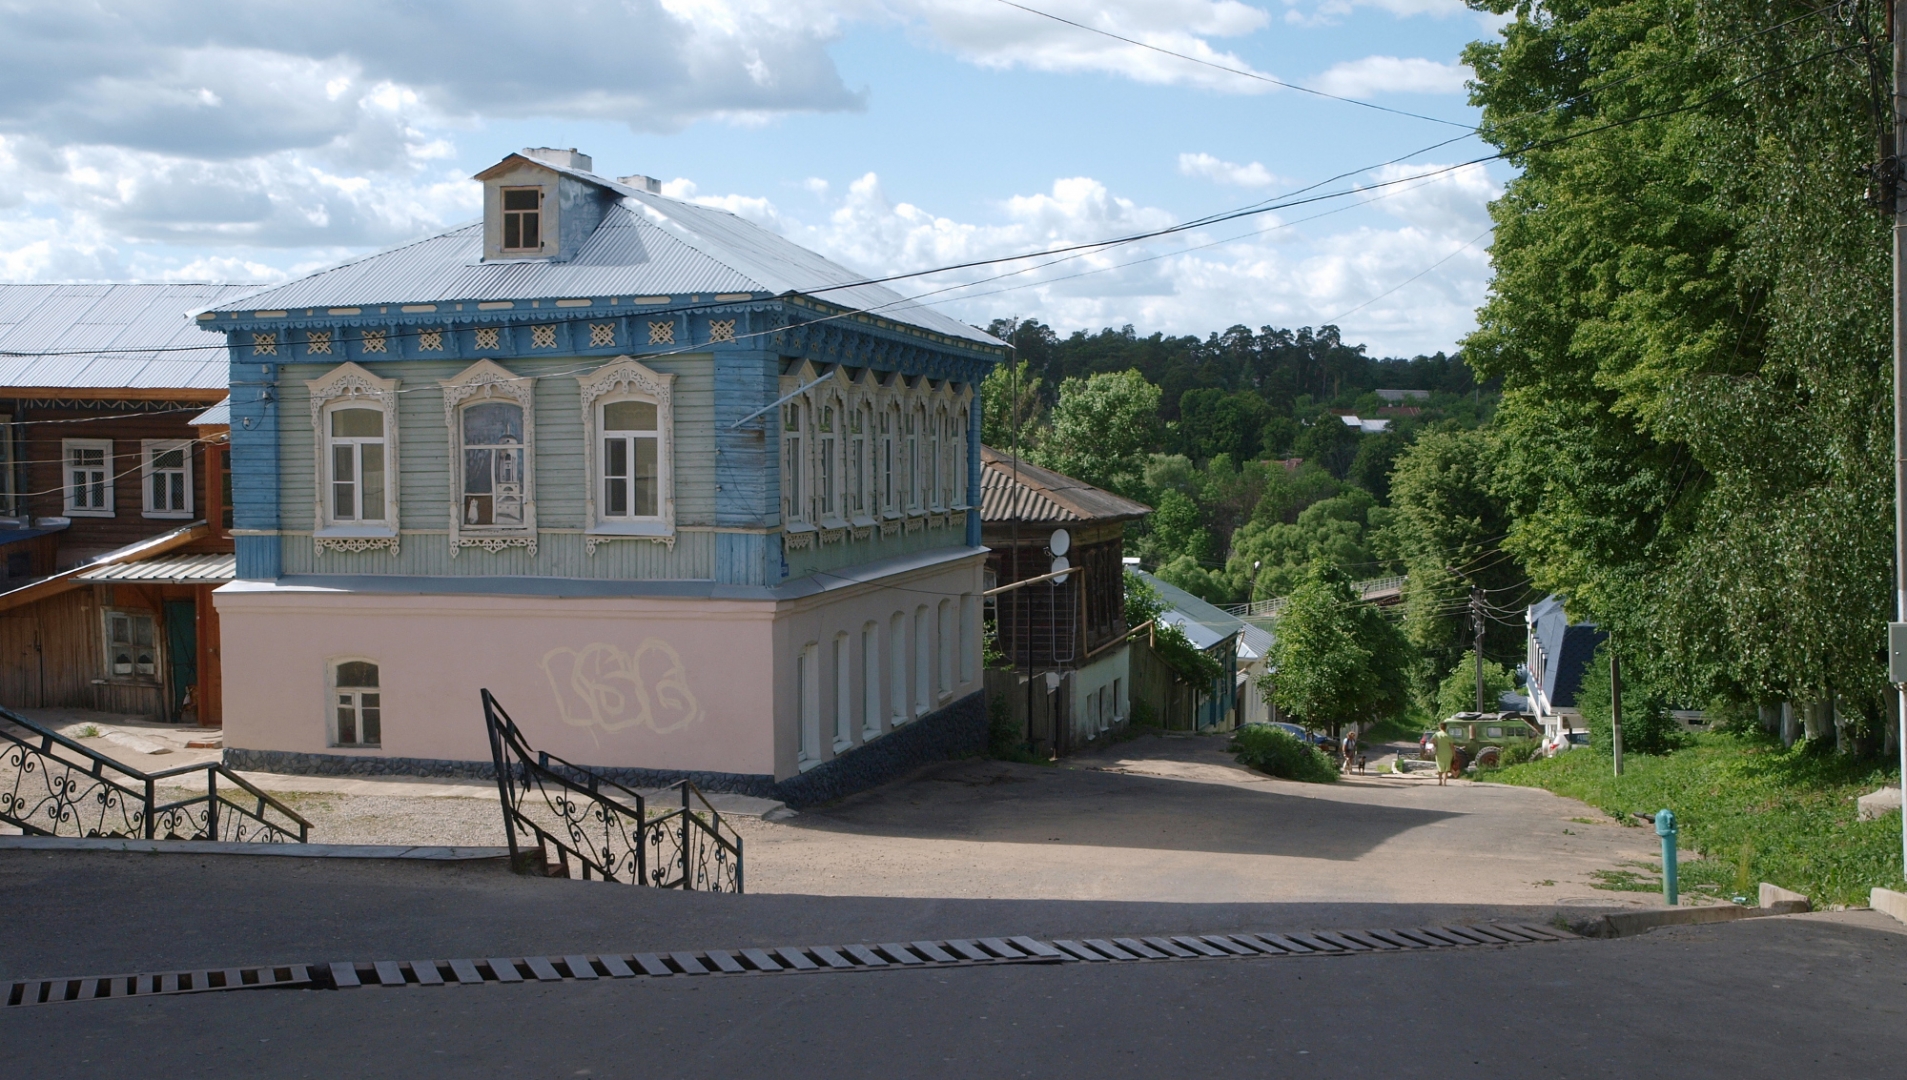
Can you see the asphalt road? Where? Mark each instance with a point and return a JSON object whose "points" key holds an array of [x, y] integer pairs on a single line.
{"points": [[1814, 996]]}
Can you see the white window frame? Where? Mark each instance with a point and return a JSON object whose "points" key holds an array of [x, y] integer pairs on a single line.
{"points": [[893, 500], [627, 379], [829, 433], [334, 691], [843, 693], [349, 386], [808, 706], [151, 448], [860, 459], [503, 216], [103, 486], [481, 383], [157, 674]]}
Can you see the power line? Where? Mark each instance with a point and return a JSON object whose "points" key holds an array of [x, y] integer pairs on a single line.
{"points": [[1235, 71]]}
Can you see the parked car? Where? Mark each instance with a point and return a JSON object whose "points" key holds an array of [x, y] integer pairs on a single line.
{"points": [[1479, 735], [1323, 742]]}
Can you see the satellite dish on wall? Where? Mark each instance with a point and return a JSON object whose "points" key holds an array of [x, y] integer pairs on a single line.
{"points": [[1058, 565], [1061, 542]]}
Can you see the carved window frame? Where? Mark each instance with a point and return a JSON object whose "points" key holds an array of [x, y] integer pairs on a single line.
{"points": [[488, 381], [628, 379], [349, 385]]}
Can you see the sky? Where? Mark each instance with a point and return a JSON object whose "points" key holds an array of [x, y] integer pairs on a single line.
{"points": [[259, 140]]}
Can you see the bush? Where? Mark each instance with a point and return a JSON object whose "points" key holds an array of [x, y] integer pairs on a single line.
{"points": [[1004, 737], [1517, 751], [1277, 752], [1458, 691], [1647, 727]]}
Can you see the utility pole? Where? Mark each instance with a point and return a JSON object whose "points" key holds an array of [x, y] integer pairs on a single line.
{"points": [[1615, 700], [1476, 621], [1891, 166]]}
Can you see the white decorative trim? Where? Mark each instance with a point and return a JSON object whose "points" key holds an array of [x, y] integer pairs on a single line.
{"points": [[602, 335], [891, 528], [865, 532], [833, 536], [626, 376], [486, 337], [592, 540], [797, 541], [542, 337], [265, 343], [662, 333], [483, 381], [721, 330], [352, 543], [348, 383], [430, 341], [914, 524]]}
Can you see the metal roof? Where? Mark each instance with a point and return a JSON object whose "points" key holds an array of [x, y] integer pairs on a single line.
{"points": [[110, 337], [219, 415], [1026, 492], [1204, 624], [646, 245], [169, 570]]}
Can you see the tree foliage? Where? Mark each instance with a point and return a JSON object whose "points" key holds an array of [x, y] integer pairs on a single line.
{"points": [[1690, 318], [1336, 660]]}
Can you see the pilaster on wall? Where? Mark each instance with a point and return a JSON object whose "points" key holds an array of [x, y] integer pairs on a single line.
{"points": [[975, 425], [747, 467], [255, 417]]}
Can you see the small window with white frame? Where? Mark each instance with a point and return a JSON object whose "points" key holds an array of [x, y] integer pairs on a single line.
{"points": [[132, 646], [355, 444], [89, 477], [859, 433], [827, 451], [492, 457], [165, 467], [357, 704]]}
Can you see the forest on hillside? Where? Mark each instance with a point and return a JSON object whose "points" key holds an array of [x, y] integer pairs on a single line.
{"points": [[1240, 443]]}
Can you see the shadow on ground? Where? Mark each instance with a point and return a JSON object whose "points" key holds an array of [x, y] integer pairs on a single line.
{"points": [[1003, 802]]}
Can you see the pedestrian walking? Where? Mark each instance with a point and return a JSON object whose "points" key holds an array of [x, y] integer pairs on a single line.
{"points": [[1348, 748], [1446, 752]]}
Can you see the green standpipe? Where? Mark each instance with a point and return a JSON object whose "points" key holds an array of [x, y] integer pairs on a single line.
{"points": [[1665, 828]]}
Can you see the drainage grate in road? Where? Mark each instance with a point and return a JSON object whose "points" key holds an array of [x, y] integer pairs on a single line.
{"points": [[955, 952]]}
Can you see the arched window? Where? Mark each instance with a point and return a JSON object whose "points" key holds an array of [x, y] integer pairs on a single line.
{"points": [[891, 449], [794, 463], [628, 426], [827, 451], [358, 715], [860, 426], [492, 458], [354, 421]]}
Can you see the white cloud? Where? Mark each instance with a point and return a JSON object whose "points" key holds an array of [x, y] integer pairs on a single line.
{"points": [[1374, 75], [1207, 167], [1284, 275], [995, 35], [1325, 12]]}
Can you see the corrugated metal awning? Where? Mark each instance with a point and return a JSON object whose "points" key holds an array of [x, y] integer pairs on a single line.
{"points": [[169, 570], [219, 415]]}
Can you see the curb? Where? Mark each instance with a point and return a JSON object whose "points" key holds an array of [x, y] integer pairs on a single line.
{"points": [[1631, 923], [220, 847], [1889, 902]]}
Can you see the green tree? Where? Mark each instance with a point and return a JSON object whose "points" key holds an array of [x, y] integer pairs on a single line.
{"points": [[1010, 399], [1336, 660], [1102, 429], [1458, 691], [1337, 531], [1330, 442], [1446, 527]]}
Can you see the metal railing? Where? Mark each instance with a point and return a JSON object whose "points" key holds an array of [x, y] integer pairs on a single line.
{"points": [[51, 785], [563, 820], [1368, 589]]}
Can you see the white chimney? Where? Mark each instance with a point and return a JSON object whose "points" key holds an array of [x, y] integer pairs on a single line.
{"points": [[641, 183], [567, 159]]}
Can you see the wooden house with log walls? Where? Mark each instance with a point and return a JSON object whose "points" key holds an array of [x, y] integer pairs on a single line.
{"points": [[113, 491], [1063, 639], [688, 498]]}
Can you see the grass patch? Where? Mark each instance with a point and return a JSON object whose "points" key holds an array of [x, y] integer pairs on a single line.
{"points": [[1753, 810]]}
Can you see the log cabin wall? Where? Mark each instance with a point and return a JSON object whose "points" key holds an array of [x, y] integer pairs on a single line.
{"points": [[128, 424], [50, 652]]}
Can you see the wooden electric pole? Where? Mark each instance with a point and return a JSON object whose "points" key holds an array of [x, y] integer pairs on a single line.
{"points": [[1891, 174], [1476, 619]]}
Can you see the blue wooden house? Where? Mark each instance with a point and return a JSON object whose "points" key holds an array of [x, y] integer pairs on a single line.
{"points": [[689, 498]]}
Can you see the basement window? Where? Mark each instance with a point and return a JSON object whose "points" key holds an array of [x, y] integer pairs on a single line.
{"points": [[359, 704], [522, 219]]}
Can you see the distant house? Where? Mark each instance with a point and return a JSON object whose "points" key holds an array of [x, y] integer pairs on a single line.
{"points": [[1255, 643], [1395, 396], [1034, 521], [112, 499], [1363, 425], [1558, 654], [1176, 702], [688, 498]]}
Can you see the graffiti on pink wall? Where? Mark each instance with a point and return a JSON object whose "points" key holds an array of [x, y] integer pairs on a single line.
{"points": [[602, 687]]}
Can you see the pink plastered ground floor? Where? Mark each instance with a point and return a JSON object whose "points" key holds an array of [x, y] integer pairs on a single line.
{"points": [[686, 678]]}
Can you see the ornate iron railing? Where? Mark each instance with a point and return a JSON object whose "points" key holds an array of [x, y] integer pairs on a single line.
{"points": [[51, 785], [563, 820]]}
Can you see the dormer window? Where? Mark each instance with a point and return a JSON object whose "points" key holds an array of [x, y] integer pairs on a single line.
{"points": [[522, 219]]}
